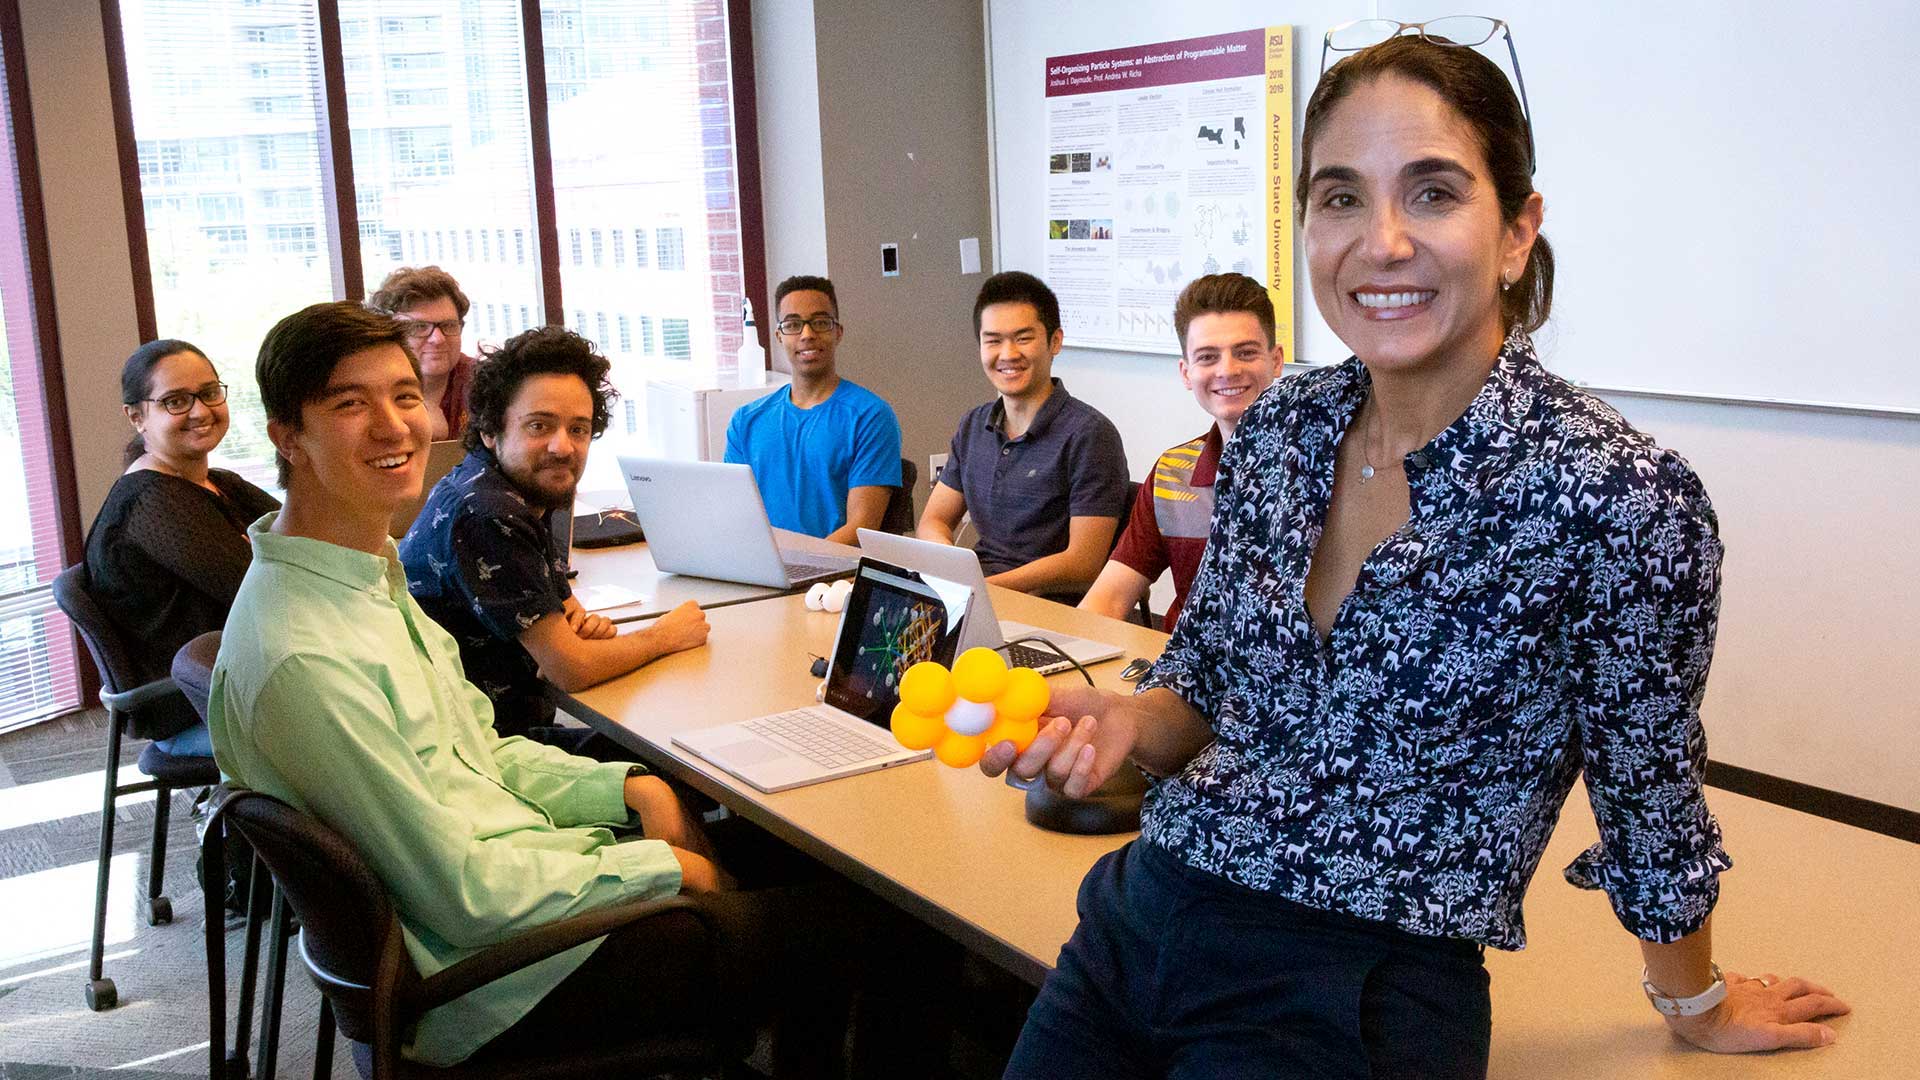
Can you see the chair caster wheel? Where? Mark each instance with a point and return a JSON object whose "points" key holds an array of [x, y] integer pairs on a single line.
{"points": [[101, 995], [159, 911]]}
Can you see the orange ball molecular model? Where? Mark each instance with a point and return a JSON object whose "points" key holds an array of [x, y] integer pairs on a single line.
{"points": [[959, 713]]}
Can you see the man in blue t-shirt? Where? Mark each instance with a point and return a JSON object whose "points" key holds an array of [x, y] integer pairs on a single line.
{"points": [[825, 452]]}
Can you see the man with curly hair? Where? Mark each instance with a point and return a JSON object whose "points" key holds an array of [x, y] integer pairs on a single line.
{"points": [[481, 557]]}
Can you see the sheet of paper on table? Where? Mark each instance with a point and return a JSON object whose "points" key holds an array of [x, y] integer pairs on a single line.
{"points": [[606, 597]]}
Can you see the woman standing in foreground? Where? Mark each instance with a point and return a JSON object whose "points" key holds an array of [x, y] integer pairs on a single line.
{"points": [[1441, 584]]}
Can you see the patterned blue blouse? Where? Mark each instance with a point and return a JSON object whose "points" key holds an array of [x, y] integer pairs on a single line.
{"points": [[1548, 609]]}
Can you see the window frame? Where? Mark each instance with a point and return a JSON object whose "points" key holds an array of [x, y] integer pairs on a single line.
{"points": [[57, 450], [339, 204], [337, 171]]}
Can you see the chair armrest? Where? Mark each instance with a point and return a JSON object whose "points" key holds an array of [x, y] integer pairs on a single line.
{"points": [[538, 944], [129, 700]]}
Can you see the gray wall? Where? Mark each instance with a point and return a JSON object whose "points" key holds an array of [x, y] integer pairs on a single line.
{"points": [[787, 81], [86, 230], [901, 156]]}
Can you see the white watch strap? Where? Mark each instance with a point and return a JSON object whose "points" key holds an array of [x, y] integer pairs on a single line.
{"points": [[1668, 1005]]}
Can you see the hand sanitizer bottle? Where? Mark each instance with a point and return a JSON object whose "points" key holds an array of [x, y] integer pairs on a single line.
{"points": [[752, 355]]}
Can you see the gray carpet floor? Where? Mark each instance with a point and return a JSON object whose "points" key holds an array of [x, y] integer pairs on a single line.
{"points": [[49, 838]]}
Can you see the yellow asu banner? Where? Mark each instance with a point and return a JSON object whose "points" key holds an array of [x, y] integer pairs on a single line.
{"points": [[1280, 183]]}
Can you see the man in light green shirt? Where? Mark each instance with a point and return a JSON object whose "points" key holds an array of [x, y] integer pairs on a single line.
{"points": [[334, 693]]}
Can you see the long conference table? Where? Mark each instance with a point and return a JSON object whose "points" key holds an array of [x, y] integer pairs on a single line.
{"points": [[1807, 896]]}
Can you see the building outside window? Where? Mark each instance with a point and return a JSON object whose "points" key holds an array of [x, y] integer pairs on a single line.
{"points": [[671, 248], [203, 142], [676, 339], [228, 121]]}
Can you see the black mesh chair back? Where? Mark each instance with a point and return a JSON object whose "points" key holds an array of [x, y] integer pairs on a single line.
{"points": [[899, 516], [73, 591]]}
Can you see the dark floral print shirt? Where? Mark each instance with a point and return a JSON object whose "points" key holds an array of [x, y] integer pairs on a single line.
{"points": [[1547, 611], [483, 563]]}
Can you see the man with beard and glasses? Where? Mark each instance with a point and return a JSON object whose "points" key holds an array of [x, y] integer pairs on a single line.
{"points": [[482, 560]]}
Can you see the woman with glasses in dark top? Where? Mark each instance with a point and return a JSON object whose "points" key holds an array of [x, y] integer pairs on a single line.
{"points": [[1442, 584], [167, 551]]}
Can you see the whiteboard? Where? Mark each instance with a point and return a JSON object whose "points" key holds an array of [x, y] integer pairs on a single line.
{"points": [[1732, 189]]}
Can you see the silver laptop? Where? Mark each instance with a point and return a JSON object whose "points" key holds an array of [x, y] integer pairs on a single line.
{"points": [[981, 627], [705, 518], [442, 456], [893, 620]]}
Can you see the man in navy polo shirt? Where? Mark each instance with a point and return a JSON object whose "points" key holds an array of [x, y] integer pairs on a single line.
{"points": [[1042, 473], [481, 557]]}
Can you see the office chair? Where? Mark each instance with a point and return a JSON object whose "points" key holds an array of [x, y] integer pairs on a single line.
{"points": [[193, 674], [351, 944], [899, 517], [129, 711]]}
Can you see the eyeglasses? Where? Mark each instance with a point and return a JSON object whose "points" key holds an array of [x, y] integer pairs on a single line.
{"points": [[793, 324], [422, 329], [180, 402], [1465, 31]]}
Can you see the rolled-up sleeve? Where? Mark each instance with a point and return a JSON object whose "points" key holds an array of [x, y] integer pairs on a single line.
{"points": [[1650, 609]]}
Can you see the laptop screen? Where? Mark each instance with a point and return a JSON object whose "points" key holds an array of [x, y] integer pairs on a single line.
{"points": [[893, 620]]}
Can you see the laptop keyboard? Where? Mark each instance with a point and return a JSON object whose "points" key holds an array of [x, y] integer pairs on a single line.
{"points": [[1044, 661], [814, 736], [800, 571]]}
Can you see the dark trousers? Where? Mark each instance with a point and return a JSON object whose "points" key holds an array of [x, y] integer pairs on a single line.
{"points": [[802, 955], [1174, 972]]}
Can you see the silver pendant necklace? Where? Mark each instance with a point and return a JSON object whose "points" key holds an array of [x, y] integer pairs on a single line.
{"points": [[1367, 468], [1366, 443]]}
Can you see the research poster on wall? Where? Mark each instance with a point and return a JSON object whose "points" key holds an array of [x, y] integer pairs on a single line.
{"points": [[1166, 162]]}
